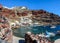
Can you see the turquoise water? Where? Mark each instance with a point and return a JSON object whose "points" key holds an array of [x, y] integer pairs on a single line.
{"points": [[36, 30]]}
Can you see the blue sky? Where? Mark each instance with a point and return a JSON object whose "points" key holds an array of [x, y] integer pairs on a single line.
{"points": [[48, 5]]}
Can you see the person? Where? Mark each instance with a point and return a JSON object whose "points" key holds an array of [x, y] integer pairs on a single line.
{"points": [[37, 38], [28, 38], [33, 38]]}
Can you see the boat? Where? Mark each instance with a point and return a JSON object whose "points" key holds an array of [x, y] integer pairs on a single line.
{"points": [[53, 26], [36, 24], [49, 34], [58, 32]]}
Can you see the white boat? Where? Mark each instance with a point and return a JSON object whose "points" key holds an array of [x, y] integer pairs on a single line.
{"points": [[36, 24], [49, 34], [53, 27]]}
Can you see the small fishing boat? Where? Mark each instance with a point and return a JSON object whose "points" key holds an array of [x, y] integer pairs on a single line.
{"points": [[53, 26], [50, 34]]}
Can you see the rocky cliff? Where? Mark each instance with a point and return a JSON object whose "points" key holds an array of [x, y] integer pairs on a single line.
{"points": [[41, 16]]}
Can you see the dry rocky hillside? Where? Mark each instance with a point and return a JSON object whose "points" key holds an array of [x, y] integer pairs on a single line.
{"points": [[40, 16]]}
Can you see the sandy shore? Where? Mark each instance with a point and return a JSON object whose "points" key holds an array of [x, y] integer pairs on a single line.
{"points": [[16, 39], [57, 41]]}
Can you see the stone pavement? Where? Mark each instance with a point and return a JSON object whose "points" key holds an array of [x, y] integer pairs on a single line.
{"points": [[16, 39]]}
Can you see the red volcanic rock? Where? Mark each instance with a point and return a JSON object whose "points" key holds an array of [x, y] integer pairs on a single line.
{"points": [[24, 14], [19, 14], [34, 12], [37, 15]]}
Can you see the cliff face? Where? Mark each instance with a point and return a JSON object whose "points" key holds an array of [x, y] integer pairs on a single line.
{"points": [[45, 17], [41, 16]]}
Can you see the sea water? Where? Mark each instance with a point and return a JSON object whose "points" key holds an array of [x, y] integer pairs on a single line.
{"points": [[20, 32]]}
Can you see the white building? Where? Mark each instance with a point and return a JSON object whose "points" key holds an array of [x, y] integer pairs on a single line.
{"points": [[25, 20]]}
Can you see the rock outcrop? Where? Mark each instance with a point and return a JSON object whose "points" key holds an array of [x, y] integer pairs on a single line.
{"points": [[40, 16]]}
